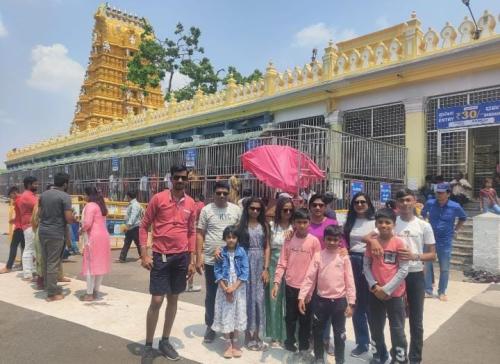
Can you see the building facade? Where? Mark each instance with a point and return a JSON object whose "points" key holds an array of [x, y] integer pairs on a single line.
{"points": [[391, 87]]}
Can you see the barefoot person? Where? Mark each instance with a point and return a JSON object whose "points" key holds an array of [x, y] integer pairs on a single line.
{"points": [[55, 212], [97, 249], [172, 215], [17, 235]]}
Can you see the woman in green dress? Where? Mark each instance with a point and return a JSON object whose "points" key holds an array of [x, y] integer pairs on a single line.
{"points": [[275, 308]]}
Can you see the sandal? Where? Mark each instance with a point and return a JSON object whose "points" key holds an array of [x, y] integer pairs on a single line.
{"points": [[228, 353]]}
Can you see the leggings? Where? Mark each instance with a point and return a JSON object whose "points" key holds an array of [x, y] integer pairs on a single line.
{"points": [[93, 283]]}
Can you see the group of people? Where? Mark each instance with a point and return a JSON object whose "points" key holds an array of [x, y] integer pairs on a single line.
{"points": [[264, 278], [42, 227]]}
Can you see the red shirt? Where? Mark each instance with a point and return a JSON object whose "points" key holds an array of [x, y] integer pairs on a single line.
{"points": [[26, 203], [17, 218], [173, 224]]}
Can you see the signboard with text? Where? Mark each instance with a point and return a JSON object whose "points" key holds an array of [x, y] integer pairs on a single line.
{"points": [[115, 164], [190, 157], [467, 116], [357, 186], [385, 192]]}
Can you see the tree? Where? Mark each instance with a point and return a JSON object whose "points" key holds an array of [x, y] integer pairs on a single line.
{"points": [[156, 59], [239, 78]]}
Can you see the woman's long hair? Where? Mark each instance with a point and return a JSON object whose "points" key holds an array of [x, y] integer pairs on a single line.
{"points": [[282, 201], [94, 196], [352, 215], [244, 236]]}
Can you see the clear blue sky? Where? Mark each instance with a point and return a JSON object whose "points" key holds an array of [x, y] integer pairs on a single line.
{"points": [[44, 44]]}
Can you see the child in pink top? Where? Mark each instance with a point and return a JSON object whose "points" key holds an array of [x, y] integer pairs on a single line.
{"points": [[295, 257], [331, 274], [386, 275]]}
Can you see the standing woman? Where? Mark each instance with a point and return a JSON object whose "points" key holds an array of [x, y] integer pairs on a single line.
{"points": [[96, 250], [281, 224], [359, 223], [255, 239]]}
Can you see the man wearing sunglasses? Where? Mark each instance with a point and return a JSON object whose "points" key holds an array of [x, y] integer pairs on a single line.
{"points": [[172, 215], [214, 218]]}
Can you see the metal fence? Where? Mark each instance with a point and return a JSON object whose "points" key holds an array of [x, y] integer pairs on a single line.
{"points": [[344, 158]]}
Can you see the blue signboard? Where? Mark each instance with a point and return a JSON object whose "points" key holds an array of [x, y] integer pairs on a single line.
{"points": [[251, 143], [385, 192], [115, 164], [357, 186], [487, 113], [190, 157]]}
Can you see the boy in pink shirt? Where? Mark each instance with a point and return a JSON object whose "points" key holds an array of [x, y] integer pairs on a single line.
{"points": [[295, 257], [386, 275], [331, 273]]}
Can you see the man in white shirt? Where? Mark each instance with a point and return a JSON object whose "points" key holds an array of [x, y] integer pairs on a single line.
{"points": [[461, 190], [419, 239], [214, 218]]}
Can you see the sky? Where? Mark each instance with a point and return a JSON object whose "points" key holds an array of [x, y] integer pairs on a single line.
{"points": [[45, 44]]}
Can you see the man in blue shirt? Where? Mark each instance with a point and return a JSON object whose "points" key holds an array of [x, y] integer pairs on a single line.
{"points": [[442, 214]]}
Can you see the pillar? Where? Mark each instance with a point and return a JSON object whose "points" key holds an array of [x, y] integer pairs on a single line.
{"points": [[334, 119], [416, 142]]}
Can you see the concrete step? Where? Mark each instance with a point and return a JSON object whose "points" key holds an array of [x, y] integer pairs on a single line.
{"points": [[463, 240], [465, 234], [462, 248], [460, 262]]}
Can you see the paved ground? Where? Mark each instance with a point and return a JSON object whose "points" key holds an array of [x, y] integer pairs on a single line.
{"points": [[461, 331]]}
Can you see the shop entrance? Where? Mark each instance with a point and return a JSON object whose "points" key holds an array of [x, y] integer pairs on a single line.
{"points": [[485, 153]]}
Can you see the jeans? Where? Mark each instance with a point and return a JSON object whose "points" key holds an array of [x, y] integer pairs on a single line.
{"points": [[293, 315], [130, 235], [211, 287], [17, 238], [494, 209], [394, 308], [361, 315], [415, 295], [327, 310], [444, 257], [29, 254]]}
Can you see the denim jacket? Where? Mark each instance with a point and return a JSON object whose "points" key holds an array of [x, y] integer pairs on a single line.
{"points": [[221, 268]]}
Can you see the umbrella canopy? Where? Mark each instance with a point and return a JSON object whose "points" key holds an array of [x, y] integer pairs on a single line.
{"points": [[282, 167]]}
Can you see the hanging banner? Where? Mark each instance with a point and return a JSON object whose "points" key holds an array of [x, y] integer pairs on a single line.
{"points": [[115, 164], [357, 186], [385, 192], [467, 116], [190, 157]]}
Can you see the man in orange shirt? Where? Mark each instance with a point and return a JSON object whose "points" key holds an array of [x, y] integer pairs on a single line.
{"points": [[172, 215]]}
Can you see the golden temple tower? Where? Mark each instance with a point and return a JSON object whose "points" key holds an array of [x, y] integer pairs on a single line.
{"points": [[106, 95]]}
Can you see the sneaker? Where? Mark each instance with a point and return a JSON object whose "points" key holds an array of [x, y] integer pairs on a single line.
{"points": [[290, 347], [359, 350], [168, 350], [209, 336], [329, 347], [443, 297], [148, 355]]}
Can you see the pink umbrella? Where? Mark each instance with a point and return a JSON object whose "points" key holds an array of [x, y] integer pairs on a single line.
{"points": [[278, 166]]}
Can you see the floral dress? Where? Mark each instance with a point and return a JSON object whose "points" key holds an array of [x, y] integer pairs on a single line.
{"points": [[256, 310], [275, 308], [230, 316]]}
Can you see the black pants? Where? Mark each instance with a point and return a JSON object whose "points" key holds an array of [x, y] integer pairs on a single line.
{"points": [[415, 292], [326, 310], [130, 235], [394, 309], [17, 238], [292, 315], [211, 291]]}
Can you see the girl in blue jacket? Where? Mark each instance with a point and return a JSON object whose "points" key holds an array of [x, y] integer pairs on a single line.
{"points": [[231, 274]]}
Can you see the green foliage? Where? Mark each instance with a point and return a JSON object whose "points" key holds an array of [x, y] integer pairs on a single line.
{"points": [[157, 59]]}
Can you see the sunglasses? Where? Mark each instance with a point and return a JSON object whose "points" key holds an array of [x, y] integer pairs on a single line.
{"points": [[222, 193], [360, 202], [287, 210], [179, 178], [318, 205], [254, 208]]}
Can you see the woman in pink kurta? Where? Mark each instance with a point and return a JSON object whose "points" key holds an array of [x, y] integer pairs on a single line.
{"points": [[97, 249]]}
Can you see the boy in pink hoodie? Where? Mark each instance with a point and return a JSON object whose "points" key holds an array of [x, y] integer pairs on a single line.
{"points": [[331, 274], [295, 257]]}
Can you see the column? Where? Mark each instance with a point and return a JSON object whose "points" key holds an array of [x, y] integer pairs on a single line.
{"points": [[415, 141], [334, 119]]}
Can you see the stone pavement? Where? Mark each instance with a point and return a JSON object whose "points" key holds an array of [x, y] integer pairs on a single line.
{"points": [[121, 313]]}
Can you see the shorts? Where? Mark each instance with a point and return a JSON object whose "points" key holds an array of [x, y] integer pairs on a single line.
{"points": [[168, 275]]}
